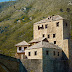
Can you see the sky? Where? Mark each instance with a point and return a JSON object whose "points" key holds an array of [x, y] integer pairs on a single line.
{"points": [[6, 0]]}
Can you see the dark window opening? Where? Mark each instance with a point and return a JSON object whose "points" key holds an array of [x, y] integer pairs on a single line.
{"points": [[19, 48], [66, 24], [25, 48], [48, 36], [48, 18], [54, 53], [38, 28], [43, 35], [47, 52], [57, 24], [42, 27], [29, 54], [35, 52], [53, 35], [58, 53], [54, 42], [46, 26]]}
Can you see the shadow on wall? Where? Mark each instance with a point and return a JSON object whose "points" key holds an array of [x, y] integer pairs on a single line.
{"points": [[64, 57], [66, 64], [21, 67]]}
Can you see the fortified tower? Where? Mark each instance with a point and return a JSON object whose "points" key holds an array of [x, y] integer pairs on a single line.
{"points": [[51, 46], [57, 30]]}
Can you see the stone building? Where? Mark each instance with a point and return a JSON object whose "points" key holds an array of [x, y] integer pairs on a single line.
{"points": [[21, 49], [44, 49], [51, 42]]}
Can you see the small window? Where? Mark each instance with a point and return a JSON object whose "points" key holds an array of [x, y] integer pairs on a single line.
{"points": [[29, 54], [58, 53], [66, 24], [48, 18], [35, 53], [42, 27], [43, 35], [54, 42], [54, 53], [57, 24], [48, 36], [53, 35], [19, 48], [46, 26], [47, 52], [25, 48], [38, 28]]}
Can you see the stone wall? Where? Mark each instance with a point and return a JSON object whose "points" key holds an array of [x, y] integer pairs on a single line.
{"points": [[55, 66], [32, 53], [33, 65], [50, 30]]}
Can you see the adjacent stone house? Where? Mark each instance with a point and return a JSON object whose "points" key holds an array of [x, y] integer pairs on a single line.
{"points": [[21, 49], [43, 49]]}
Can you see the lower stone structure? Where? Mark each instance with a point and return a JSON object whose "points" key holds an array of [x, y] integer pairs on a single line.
{"points": [[33, 65], [39, 65], [10, 64]]}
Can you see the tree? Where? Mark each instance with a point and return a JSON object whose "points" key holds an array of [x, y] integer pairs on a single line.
{"points": [[61, 10], [68, 10]]}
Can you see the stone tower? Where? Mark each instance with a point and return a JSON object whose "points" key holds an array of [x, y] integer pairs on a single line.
{"points": [[57, 30], [51, 47]]}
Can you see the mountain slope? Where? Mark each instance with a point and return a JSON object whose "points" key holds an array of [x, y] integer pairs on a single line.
{"points": [[16, 22], [4, 5]]}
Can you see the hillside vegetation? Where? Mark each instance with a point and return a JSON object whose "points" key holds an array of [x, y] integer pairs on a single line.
{"points": [[16, 21], [4, 5]]}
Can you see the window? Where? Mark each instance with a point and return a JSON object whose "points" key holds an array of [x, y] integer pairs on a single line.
{"points": [[35, 53], [29, 54], [48, 36], [38, 28], [66, 24], [54, 42], [25, 48], [58, 53], [53, 35], [46, 26], [47, 52], [48, 18], [43, 35], [19, 48], [57, 24], [42, 27], [54, 53]]}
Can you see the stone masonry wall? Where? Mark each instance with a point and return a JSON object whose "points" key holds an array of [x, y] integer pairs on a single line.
{"points": [[33, 65], [39, 65], [55, 66]]}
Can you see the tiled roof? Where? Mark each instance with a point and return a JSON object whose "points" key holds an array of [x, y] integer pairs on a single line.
{"points": [[53, 18], [22, 43], [37, 40], [44, 44]]}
